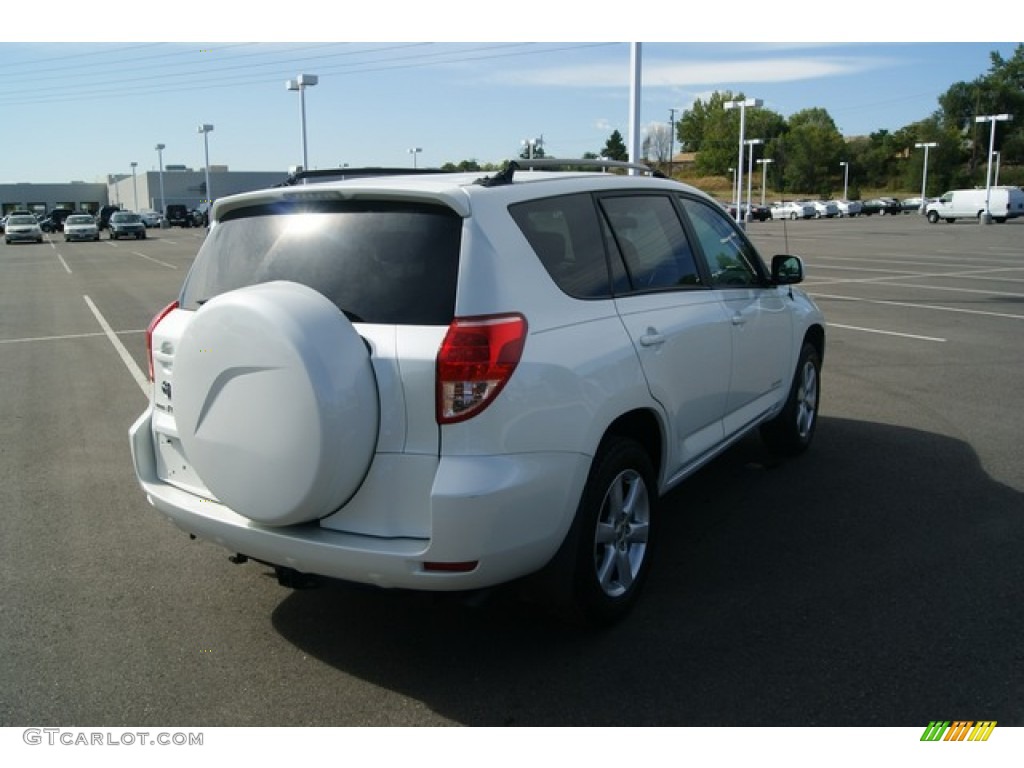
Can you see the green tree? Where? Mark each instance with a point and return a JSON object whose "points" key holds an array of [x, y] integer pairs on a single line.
{"points": [[615, 147], [712, 131], [810, 152]]}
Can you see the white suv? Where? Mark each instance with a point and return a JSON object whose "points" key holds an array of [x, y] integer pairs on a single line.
{"points": [[451, 381]]}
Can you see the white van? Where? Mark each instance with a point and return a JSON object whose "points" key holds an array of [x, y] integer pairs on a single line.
{"points": [[1004, 203]]}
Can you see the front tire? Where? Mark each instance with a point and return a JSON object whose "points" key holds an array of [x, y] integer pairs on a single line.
{"points": [[933, 217], [614, 525], [791, 432]]}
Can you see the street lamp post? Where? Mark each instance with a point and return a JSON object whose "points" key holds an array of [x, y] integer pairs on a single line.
{"points": [[531, 144], [160, 154], [763, 162], [993, 119], [995, 181], [205, 129], [135, 188], [742, 106], [414, 151], [924, 175], [846, 179], [300, 84], [750, 170]]}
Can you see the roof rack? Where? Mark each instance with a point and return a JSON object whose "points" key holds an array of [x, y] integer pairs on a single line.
{"points": [[341, 174], [546, 163]]}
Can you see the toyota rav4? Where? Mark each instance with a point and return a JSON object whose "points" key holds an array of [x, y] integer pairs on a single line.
{"points": [[450, 381]]}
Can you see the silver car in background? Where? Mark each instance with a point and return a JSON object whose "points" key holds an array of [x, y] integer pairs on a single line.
{"points": [[80, 227]]}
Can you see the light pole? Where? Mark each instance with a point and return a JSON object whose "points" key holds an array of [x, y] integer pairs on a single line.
{"points": [[205, 129], [135, 188], [750, 170], [414, 151], [846, 179], [531, 144], [924, 175], [987, 217], [742, 106], [763, 162], [160, 154], [995, 181], [300, 84], [732, 182]]}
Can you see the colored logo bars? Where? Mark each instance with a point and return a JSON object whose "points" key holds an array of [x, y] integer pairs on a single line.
{"points": [[958, 730]]}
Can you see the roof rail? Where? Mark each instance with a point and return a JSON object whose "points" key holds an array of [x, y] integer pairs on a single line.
{"points": [[504, 176], [341, 174], [597, 163]]}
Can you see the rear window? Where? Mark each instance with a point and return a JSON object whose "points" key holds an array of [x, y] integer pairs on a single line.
{"points": [[378, 261]]}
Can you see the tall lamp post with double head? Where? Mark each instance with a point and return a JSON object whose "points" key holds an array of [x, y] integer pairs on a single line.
{"points": [[205, 129], [160, 156], [993, 119], [300, 84], [763, 162], [926, 145], [846, 179], [742, 106], [751, 143], [414, 151]]}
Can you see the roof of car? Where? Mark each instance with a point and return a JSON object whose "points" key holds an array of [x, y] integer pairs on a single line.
{"points": [[455, 189]]}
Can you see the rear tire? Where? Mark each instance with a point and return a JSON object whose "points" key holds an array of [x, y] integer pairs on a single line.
{"points": [[613, 532]]}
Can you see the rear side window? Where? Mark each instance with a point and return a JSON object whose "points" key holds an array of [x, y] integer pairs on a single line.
{"points": [[378, 261], [565, 235]]}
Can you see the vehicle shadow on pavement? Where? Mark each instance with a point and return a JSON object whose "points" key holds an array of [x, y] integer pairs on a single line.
{"points": [[876, 581]]}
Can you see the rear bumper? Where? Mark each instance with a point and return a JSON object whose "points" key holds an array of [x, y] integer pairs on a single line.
{"points": [[508, 514]]}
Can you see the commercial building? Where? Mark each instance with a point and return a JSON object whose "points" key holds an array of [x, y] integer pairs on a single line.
{"points": [[140, 191]]}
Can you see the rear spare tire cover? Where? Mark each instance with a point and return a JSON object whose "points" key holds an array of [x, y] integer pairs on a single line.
{"points": [[276, 402]]}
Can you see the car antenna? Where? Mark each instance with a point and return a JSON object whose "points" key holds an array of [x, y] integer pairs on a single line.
{"points": [[504, 176]]}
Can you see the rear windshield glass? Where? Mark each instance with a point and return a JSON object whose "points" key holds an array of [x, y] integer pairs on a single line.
{"points": [[378, 261]]}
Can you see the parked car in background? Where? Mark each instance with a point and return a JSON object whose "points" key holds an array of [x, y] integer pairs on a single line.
{"points": [[151, 218], [792, 210], [103, 216], [883, 206], [22, 229], [80, 226], [824, 209], [848, 207], [178, 215], [757, 212], [126, 224], [451, 381]]}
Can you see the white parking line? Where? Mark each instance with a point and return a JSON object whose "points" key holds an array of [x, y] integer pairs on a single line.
{"points": [[66, 267], [155, 261], [886, 333], [909, 305], [62, 337], [126, 358]]}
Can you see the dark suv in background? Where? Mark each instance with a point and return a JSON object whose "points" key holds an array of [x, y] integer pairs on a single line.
{"points": [[178, 216]]}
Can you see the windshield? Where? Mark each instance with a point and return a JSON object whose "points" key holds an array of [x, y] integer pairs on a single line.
{"points": [[79, 220], [129, 218], [22, 220]]}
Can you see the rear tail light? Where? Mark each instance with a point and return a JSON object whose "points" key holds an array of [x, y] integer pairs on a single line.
{"points": [[149, 333], [477, 358]]}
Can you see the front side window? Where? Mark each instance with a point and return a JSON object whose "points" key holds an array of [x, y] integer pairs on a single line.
{"points": [[731, 258]]}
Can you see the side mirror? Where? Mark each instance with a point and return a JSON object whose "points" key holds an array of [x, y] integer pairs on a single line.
{"points": [[787, 270]]}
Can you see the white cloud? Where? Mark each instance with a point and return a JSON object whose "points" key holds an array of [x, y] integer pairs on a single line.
{"points": [[675, 74]]}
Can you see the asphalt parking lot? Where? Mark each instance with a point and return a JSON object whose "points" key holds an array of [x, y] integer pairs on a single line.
{"points": [[876, 581]]}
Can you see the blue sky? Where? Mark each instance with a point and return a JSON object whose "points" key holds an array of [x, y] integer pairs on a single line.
{"points": [[71, 109]]}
